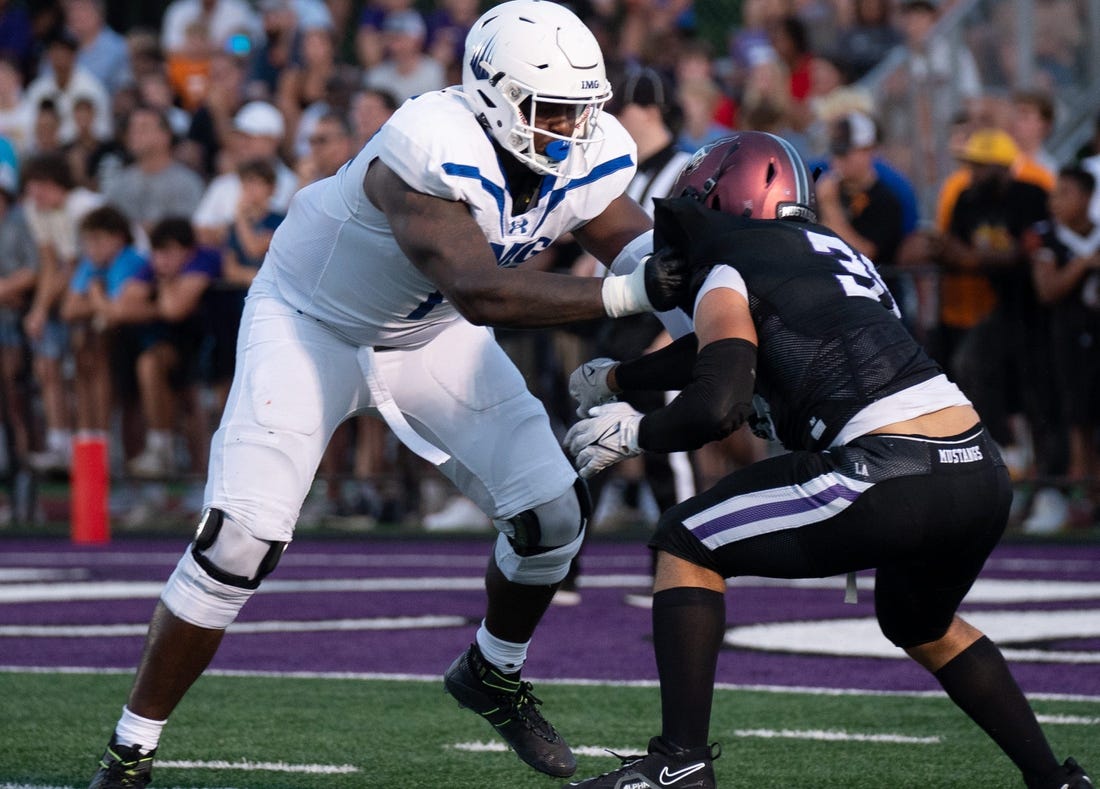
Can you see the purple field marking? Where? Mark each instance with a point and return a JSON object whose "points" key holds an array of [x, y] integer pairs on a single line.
{"points": [[601, 639]]}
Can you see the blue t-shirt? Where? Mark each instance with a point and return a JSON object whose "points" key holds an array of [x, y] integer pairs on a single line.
{"points": [[270, 222], [114, 275], [896, 182], [205, 261]]}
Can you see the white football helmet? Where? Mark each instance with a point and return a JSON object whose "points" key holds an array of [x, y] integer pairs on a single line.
{"points": [[526, 57]]}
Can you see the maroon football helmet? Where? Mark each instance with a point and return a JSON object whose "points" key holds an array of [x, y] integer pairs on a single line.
{"points": [[752, 174]]}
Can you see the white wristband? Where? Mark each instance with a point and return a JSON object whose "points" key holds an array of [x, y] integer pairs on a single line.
{"points": [[626, 295]]}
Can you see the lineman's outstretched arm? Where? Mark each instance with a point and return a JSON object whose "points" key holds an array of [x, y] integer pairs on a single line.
{"points": [[444, 241]]}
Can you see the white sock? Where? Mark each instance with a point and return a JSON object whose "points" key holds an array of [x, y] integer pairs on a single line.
{"points": [[508, 656], [135, 730], [158, 440], [59, 439]]}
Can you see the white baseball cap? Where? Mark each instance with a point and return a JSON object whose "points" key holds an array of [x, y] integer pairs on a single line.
{"points": [[853, 131], [260, 119]]}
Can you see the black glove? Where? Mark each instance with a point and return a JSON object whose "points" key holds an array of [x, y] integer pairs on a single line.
{"points": [[667, 276], [760, 421]]}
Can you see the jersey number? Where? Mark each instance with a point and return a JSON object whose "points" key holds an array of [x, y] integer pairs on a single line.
{"points": [[861, 279]]}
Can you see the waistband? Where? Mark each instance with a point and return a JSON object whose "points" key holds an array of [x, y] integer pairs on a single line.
{"points": [[882, 456]]}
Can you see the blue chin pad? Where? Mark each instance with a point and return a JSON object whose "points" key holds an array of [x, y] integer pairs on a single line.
{"points": [[557, 150]]}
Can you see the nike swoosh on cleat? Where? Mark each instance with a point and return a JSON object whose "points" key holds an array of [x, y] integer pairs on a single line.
{"points": [[669, 778]]}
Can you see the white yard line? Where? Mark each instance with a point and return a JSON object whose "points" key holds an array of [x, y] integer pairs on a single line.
{"points": [[819, 735], [1067, 720], [271, 767], [804, 690], [822, 735], [578, 750], [278, 626]]}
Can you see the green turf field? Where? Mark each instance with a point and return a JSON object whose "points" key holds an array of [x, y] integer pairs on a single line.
{"points": [[409, 734]]}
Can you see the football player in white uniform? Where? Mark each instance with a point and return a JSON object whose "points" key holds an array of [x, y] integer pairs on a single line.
{"points": [[375, 297]]}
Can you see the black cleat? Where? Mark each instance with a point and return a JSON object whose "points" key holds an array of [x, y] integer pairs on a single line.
{"points": [[508, 704], [663, 767], [1071, 776], [123, 767]]}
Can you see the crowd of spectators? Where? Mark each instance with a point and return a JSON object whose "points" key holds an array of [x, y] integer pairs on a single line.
{"points": [[143, 172]]}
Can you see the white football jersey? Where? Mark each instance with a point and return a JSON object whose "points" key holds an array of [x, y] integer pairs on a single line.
{"points": [[335, 259]]}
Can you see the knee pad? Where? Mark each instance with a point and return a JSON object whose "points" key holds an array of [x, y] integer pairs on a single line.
{"points": [[219, 572], [540, 569], [230, 554], [537, 546]]}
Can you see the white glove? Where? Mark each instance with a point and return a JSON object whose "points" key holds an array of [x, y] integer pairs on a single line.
{"points": [[588, 384], [609, 435]]}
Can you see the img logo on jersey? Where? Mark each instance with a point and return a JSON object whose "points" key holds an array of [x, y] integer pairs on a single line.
{"points": [[960, 455], [509, 255]]}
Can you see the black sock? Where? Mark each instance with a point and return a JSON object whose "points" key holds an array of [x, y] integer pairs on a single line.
{"points": [[632, 493], [979, 682], [688, 626]]}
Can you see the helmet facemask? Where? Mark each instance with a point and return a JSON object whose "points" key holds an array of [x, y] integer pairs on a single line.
{"points": [[567, 155]]}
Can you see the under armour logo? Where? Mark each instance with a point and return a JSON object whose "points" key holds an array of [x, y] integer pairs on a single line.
{"points": [[518, 226]]}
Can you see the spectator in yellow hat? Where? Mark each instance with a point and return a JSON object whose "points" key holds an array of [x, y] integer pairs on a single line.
{"points": [[982, 143], [991, 334]]}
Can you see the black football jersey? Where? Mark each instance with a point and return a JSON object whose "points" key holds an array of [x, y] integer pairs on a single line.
{"points": [[831, 341]]}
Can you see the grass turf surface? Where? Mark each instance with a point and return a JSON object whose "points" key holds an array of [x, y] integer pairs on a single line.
{"points": [[403, 734]]}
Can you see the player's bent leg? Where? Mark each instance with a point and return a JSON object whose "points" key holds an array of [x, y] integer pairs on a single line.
{"points": [[936, 654], [461, 393], [974, 674], [531, 558], [295, 383], [672, 572], [216, 576], [536, 546], [220, 572]]}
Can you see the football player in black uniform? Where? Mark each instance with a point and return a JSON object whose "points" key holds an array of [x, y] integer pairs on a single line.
{"points": [[889, 465]]}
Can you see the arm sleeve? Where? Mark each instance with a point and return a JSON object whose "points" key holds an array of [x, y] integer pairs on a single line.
{"points": [[716, 402], [665, 369]]}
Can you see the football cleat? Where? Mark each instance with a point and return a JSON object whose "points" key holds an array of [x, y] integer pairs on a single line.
{"points": [[512, 709], [1071, 776], [664, 766], [123, 767]]}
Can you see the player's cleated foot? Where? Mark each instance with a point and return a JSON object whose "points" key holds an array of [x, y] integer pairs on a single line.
{"points": [[663, 767], [123, 767], [1069, 776], [508, 704]]}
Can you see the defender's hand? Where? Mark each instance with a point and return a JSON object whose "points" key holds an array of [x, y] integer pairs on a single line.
{"points": [[666, 278], [609, 435], [588, 384]]}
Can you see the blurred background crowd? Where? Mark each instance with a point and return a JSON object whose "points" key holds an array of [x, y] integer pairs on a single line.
{"points": [[148, 150]]}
